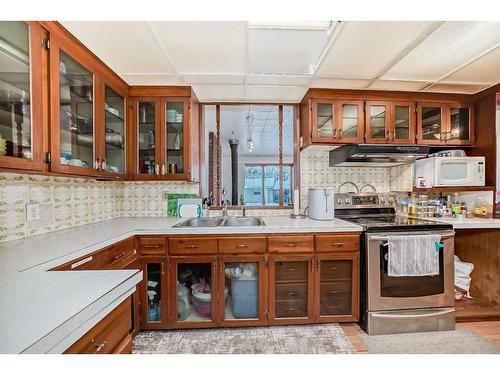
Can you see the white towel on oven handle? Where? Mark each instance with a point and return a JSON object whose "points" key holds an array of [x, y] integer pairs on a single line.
{"points": [[416, 255]]}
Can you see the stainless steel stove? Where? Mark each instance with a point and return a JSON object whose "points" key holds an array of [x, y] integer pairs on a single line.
{"points": [[398, 304]]}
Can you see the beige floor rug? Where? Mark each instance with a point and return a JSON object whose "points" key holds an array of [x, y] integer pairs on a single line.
{"points": [[444, 342], [304, 339]]}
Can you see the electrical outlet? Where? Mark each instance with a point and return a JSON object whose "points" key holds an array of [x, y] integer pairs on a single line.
{"points": [[32, 212]]}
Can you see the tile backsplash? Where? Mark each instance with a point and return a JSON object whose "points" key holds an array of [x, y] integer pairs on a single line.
{"points": [[315, 171], [68, 202]]}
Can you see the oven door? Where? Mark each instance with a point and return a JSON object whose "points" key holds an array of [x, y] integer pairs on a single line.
{"points": [[408, 292]]}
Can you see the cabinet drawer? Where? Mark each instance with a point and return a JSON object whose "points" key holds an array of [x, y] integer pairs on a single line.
{"points": [[334, 270], [240, 245], [337, 242], [291, 244], [152, 245], [128, 262], [292, 271], [291, 309], [291, 291], [108, 334], [116, 252], [192, 245]]}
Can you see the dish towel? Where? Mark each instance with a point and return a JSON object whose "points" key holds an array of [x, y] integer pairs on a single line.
{"points": [[414, 255]]}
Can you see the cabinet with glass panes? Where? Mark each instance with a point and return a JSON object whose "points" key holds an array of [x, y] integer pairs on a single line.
{"points": [[21, 90]]}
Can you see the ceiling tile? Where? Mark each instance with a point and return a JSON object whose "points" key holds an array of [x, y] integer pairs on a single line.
{"points": [[363, 49], [125, 46], [203, 47], [215, 79], [276, 94], [330, 83], [215, 93], [486, 69], [153, 79], [456, 88], [278, 79], [398, 85], [284, 51], [450, 46]]}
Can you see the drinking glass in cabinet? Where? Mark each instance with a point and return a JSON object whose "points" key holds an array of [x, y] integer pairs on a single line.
{"points": [[350, 121], [115, 131], [194, 292], [324, 120], [402, 122], [378, 115], [242, 283], [147, 138], [15, 99], [459, 124], [175, 136], [154, 292], [335, 287], [76, 113], [291, 281], [431, 123]]}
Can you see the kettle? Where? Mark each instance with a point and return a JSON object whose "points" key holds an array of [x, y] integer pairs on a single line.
{"points": [[321, 204]]}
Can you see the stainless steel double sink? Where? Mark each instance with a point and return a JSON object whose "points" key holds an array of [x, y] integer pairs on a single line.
{"points": [[211, 222]]}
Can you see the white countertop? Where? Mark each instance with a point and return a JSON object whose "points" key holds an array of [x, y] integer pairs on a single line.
{"points": [[41, 309], [468, 223]]}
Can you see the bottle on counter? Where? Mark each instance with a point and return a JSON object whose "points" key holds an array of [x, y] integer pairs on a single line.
{"points": [[412, 205], [456, 206]]}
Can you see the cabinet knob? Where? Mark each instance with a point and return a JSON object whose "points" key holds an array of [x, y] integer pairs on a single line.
{"points": [[291, 244], [338, 244]]}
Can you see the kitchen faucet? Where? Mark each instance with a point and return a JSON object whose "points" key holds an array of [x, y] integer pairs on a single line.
{"points": [[224, 203]]}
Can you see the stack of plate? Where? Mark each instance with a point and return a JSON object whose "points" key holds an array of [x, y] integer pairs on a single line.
{"points": [[3, 145]]}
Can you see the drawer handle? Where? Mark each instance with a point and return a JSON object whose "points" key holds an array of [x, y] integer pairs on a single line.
{"points": [[188, 246], [100, 346], [83, 261], [292, 269], [292, 294], [332, 306], [334, 268], [338, 244], [290, 309], [242, 245], [333, 292], [152, 246], [291, 244], [119, 256]]}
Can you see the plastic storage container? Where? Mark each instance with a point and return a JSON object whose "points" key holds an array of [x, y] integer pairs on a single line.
{"points": [[183, 306], [245, 297]]}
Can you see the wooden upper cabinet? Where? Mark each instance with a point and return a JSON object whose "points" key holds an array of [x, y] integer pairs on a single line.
{"points": [[164, 140], [445, 124], [88, 113], [377, 128], [402, 123], [337, 121], [23, 91]]}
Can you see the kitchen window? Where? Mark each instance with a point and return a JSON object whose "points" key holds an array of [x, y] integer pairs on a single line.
{"points": [[250, 154]]}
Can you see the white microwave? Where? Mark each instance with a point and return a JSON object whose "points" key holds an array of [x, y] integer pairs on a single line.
{"points": [[449, 171]]}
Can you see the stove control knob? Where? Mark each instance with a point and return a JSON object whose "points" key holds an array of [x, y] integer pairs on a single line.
{"points": [[382, 200], [347, 201], [339, 200], [391, 200]]}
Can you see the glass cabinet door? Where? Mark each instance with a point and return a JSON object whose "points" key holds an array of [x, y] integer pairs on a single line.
{"points": [[174, 137], [377, 122], [403, 126], [146, 138], [196, 291], [241, 290], [291, 289], [351, 122], [431, 123], [153, 310], [325, 125], [76, 89], [20, 79], [460, 120], [114, 108]]}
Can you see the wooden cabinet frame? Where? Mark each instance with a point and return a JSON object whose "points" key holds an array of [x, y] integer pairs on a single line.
{"points": [[387, 126], [354, 258], [174, 261], [412, 122], [263, 290], [272, 289], [39, 116]]}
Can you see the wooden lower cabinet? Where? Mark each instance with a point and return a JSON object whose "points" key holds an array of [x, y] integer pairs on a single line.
{"points": [[337, 287], [154, 293], [110, 336], [291, 289]]}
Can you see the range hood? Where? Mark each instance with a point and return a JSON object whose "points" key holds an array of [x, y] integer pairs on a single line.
{"points": [[376, 155]]}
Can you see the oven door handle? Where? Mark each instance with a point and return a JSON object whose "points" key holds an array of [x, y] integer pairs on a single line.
{"points": [[386, 238], [412, 316]]}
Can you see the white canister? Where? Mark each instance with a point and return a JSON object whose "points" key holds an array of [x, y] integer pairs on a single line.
{"points": [[321, 204]]}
